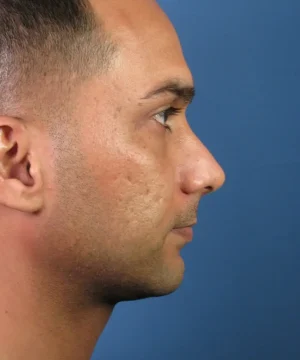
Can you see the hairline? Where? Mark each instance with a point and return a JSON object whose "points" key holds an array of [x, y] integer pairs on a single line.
{"points": [[63, 57]]}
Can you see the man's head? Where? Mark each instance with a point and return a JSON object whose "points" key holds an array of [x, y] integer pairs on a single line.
{"points": [[97, 161]]}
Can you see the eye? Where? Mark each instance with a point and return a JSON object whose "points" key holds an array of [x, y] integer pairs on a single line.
{"points": [[163, 116]]}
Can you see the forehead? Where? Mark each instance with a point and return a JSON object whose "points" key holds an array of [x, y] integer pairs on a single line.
{"points": [[147, 39]]}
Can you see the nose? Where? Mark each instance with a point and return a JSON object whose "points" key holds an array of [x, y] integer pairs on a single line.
{"points": [[200, 172]]}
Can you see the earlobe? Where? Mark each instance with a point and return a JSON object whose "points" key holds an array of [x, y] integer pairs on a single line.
{"points": [[20, 175]]}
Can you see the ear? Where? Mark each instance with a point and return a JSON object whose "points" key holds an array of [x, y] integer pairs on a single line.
{"points": [[20, 175]]}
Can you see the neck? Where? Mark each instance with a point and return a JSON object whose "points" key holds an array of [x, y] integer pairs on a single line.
{"points": [[40, 319]]}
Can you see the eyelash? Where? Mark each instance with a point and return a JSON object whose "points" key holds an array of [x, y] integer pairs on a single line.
{"points": [[171, 111]]}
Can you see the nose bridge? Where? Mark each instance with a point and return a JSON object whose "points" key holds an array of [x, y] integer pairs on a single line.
{"points": [[200, 172]]}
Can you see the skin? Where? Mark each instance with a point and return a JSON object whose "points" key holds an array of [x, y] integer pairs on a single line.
{"points": [[87, 210]]}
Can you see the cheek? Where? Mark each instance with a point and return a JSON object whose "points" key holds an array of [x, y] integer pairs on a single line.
{"points": [[134, 184], [137, 188]]}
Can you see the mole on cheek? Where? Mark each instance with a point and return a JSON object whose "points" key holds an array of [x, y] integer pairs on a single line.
{"points": [[117, 112], [129, 178]]}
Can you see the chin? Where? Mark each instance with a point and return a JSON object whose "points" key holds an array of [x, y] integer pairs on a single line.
{"points": [[167, 289], [158, 284], [144, 293], [160, 277]]}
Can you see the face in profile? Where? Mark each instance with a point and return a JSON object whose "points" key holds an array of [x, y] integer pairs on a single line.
{"points": [[130, 169]]}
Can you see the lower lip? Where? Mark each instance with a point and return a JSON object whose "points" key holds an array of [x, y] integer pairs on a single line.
{"points": [[186, 233]]}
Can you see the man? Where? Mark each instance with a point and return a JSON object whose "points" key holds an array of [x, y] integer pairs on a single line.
{"points": [[100, 173]]}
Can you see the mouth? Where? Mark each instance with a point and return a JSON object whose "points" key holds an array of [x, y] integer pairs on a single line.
{"points": [[186, 232]]}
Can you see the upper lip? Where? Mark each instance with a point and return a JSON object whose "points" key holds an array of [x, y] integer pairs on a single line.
{"points": [[186, 226]]}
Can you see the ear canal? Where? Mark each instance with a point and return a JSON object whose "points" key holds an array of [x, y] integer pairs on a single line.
{"points": [[21, 183], [21, 172], [13, 151]]}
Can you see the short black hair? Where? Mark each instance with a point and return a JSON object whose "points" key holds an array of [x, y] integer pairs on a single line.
{"points": [[40, 37]]}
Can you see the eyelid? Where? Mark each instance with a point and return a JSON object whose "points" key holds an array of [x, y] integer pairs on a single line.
{"points": [[172, 102], [169, 113], [164, 108]]}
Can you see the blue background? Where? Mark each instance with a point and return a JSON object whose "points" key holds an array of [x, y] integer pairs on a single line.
{"points": [[240, 298]]}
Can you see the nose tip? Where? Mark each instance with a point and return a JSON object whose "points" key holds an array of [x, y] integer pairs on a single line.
{"points": [[217, 180], [204, 177], [201, 173]]}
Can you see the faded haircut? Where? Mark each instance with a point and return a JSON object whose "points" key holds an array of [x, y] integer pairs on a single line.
{"points": [[58, 39]]}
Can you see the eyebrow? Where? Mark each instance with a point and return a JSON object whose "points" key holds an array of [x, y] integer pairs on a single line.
{"points": [[176, 87]]}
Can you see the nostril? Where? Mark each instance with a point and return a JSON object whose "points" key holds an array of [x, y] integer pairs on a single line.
{"points": [[208, 190]]}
